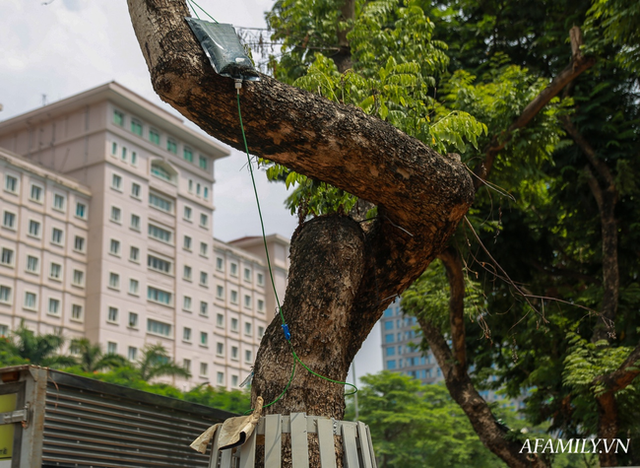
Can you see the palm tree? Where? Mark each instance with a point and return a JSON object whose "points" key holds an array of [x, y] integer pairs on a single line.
{"points": [[156, 362], [39, 349], [91, 358]]}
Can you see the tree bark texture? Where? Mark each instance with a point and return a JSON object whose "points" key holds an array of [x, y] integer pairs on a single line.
{"points": [[342, 277]]}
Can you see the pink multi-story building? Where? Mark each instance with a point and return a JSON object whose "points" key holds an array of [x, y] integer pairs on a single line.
{"points": [[107, 233]]}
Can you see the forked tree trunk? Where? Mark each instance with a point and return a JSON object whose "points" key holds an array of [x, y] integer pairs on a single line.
{"points": [[343, 273]]}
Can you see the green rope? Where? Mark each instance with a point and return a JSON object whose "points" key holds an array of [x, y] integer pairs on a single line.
{"points": [[192, 3], [264, 239]]}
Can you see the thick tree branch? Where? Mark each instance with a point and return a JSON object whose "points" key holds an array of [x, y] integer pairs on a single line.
{"points": [[455, 276], [492, 435], [579, 64]]}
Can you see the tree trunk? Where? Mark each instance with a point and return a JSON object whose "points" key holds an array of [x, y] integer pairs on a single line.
{"points": [[342, 277], [342, 58]]}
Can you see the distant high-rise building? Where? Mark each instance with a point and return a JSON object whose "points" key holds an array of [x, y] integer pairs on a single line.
{"points": [[107, 209]]}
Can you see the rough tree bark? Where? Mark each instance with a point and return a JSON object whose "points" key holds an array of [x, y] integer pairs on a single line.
{"points": [[342, 276], [452, 360]]}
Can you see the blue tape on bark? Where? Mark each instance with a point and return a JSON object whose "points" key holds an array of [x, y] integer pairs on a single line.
{"points": [[222, 46], [287, 333]]}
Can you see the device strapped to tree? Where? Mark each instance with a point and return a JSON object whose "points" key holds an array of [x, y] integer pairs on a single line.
{"points": [[221, 44]]}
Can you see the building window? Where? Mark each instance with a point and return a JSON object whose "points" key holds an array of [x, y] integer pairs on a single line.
{"points": [[9, 220], [247, 275], [187, 153], [133, 320], [163, 171], [112, 348], [220, 320], [204, 220], [205, 193], [198, 189], [190, 185], [219, 349], [158, 295], [247, 301], [220, 292], [158, 264], [172, 146], [187, 243], [135, 190], [5, 294], [247, 329], [134, 286], [219, 264], [388, 338], [134, 158], [34, 228], [7, 257], [234, 269], [161, 203], [186, 364], [186, 303], [54, 306], [187, 273], [204, 308], [132, 353], [56, 236], [33, 264], [134, 254], [118, 118], [114, 148], [234, 324], [36, 193], [78, 278], [391, 364], [186, 334], [78, 244], [114, 280], [158, 328], [116, 180], [136, 127], [187, 213], [390, 351], [204, 248], [260, 332], [11, 183], [114, 247], [234, 353], [81, 210], [154, 136], [248, 356], [204, 368], [260, 279], [76, 312], [202, 162], [234, 297], [30, 300], [135, 222], [112, 315], [260, 305], [55, 272], [116, 214], [203, 278], [388, 325], [220, 378], [204, 339], [160, 234], [58, 202]]}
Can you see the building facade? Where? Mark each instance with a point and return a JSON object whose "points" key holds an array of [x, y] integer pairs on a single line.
{"points": [[144, 181]]}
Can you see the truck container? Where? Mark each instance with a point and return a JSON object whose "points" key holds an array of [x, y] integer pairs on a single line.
{"points": [[51, 418]]}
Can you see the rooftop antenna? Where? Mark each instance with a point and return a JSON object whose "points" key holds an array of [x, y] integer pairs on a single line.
{"points": [[44, 100]]}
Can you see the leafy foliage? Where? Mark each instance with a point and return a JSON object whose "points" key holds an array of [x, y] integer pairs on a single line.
{"points": [[417, 425]]}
